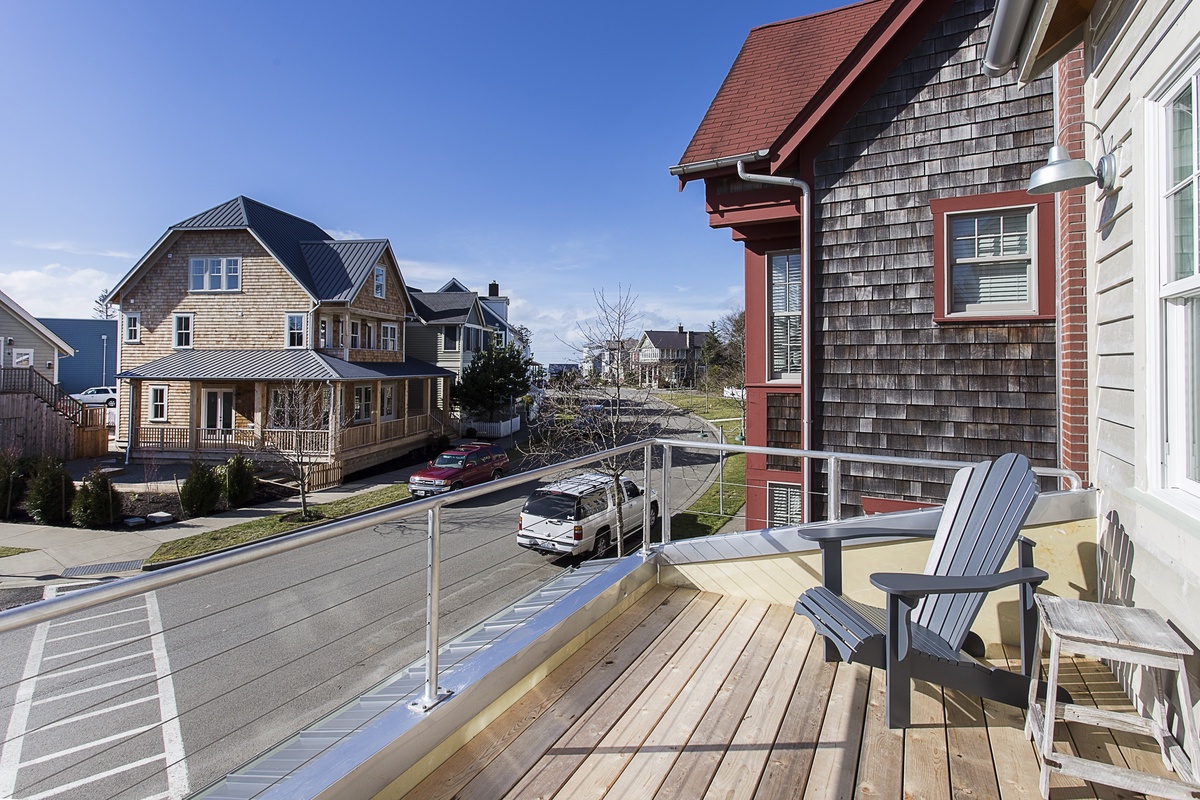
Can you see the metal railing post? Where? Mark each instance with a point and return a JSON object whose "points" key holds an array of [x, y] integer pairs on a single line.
{"points": [[665, 494], [433, 695], [647, 463], [834, 470]]}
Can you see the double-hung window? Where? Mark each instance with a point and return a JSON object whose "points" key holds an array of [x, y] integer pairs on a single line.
{"points": [[133, 327], [353, 334], [184, 329], [158, 403], [785, 504], [295, 330], [380, 282], [215, 274], [450, 338], [993, 257], [362, 403], [787, 324], [387, 337], [1179, 288]]}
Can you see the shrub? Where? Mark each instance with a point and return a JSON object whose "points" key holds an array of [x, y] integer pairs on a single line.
{"points": [[51, 490], [200, 491], [239, 480], [470, 433], [97, 504], [14, 476]]}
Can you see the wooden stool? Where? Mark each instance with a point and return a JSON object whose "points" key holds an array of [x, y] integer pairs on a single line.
{"points": [[1132, 636]]}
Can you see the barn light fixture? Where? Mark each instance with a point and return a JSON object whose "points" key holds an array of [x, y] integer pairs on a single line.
{"points": [[1062, 173]]}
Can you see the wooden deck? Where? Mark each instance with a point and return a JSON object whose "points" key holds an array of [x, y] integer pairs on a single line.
{"points": [[695, 695]]}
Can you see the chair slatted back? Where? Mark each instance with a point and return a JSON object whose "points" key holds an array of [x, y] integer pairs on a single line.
{"points": [[984, 512]]}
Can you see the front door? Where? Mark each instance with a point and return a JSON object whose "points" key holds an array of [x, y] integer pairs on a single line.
{"points": [[218, 412]]}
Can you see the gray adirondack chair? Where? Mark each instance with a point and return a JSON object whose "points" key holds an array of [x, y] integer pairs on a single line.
{"points": [[926, 624]]}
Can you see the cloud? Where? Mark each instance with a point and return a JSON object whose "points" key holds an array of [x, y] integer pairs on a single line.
{"points": [[343, 235], [77, 249], [55, 290]]}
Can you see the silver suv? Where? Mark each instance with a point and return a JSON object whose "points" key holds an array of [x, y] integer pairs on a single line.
{"points": [[579, 515]]}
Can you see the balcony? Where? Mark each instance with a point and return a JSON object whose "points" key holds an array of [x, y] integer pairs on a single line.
{"points": [[676, 670]]}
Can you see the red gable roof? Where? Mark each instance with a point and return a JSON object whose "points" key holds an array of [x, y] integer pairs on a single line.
{"points": [[778, 75]]}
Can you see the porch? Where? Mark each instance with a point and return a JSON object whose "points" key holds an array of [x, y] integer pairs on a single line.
{"points": [[697, 694]]}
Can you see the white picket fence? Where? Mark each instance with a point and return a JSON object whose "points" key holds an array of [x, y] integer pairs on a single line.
{"points": [[495, 430]]}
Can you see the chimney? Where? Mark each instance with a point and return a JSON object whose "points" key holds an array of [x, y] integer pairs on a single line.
{"points": [[493, 289], [681, 327]]}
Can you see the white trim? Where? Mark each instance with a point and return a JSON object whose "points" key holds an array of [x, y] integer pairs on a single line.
{"points": [[23, 352], [191, 330], [204, 276], [136, 317], [287, 330], [151, 389]]}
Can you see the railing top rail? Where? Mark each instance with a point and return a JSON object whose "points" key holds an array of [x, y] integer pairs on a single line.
{"points": [[44, 610]]}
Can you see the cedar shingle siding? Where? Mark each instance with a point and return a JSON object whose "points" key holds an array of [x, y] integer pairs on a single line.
{"points": [[886, 378]]}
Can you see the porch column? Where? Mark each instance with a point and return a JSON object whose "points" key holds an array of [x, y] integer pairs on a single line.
{"points": [[195, 415], [260, 412], [376, 405], [335, 416], [403, 400]]}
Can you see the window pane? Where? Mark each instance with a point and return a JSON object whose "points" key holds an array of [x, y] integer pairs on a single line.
{"points": [[197, 273], [1183, 155], [233, 270], [1183, 232]]}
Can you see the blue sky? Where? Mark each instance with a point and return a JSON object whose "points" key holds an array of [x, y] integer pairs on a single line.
{"points": [[526, 143]]}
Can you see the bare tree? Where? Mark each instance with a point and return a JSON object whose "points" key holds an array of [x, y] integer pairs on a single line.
{"points": [[732, 330], [101, 308], [298, 432], [578, 419]]}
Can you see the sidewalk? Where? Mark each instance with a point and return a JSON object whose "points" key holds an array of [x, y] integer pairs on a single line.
{"points": [[69, 553]]}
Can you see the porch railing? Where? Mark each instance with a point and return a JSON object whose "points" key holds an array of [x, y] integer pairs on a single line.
{"points": [[296, 441], [338, 627], [30, 381]]}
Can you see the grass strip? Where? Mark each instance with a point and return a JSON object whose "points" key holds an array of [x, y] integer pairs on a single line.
{"points": [[13, 551], [275, 524], [703, 517]]}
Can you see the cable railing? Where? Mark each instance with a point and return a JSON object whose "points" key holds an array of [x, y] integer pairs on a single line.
{"points": [[158, 684]]}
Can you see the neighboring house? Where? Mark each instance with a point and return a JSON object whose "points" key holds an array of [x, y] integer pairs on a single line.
{"points": [[1140, 63], [901, 294], [95, 344], [448, 328], [613, 360], [236, 312], [37, 417], [28, 343], [670, 358]]}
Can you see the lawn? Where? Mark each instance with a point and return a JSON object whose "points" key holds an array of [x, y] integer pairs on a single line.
{"points": [[13, 551], [276, 524], [704, 517]]}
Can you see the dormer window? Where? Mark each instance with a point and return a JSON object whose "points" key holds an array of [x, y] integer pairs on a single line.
{"points": [[215, 274], [380, 282]]}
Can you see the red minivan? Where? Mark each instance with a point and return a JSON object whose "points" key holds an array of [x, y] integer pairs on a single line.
{"points": [[465, 465]]}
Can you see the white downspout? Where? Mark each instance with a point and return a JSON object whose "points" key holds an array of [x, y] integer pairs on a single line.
{"points": [[805, 302]]}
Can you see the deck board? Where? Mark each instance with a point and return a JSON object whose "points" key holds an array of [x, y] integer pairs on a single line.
{"points": [[691, 695]]}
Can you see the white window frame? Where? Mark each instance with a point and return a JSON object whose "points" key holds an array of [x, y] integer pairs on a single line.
{"points": [[289, 332], [380, 282], [363, 403], [215, 274], [153, 402], [790, 314], [354, 328], [132, 325], [1028, 307], [1175, 443], [22, 358], [388, 336], [176, 330]]}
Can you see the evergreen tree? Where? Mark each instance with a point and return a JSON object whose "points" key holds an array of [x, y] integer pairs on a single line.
{"points": [[493, 378]]}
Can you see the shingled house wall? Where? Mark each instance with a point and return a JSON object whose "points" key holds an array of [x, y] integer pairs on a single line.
{"points": [[887, 379]]}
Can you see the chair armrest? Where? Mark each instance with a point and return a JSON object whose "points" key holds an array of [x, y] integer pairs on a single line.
{"points": [[915, 585], [842, 532]]}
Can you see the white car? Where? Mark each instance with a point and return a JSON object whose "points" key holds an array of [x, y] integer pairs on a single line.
{"points": [[98, 396], [579, 515]]}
